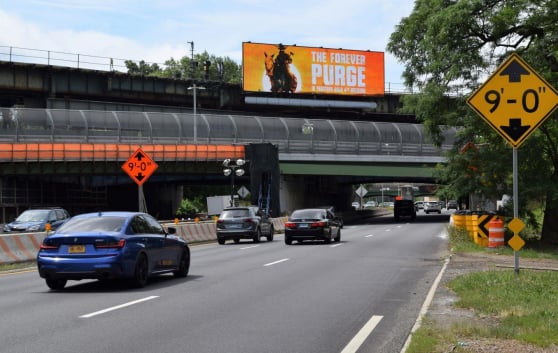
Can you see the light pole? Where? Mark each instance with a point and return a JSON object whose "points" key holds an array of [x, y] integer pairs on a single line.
{"points": [[194, 88], [233, 168]]}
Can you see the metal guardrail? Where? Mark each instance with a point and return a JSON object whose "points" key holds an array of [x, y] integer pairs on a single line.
{"points": [[291, 135]]}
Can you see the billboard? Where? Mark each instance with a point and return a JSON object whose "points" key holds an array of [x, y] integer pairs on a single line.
{"points": [[282, 68]]}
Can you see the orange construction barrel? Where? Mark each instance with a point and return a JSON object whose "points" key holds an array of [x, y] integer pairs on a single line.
{"points": [[495, 233]]}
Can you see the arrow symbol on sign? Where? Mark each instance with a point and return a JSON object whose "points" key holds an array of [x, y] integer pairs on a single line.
{"points": [[514, 70], [483, 221], [140, 177], [139, 156], [515, 130]]}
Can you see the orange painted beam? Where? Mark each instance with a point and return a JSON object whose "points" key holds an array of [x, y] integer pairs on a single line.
{"points": [[68, 152]]}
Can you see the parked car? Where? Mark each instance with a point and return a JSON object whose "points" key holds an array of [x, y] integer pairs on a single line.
{"points": [[370, 204], [336, 215], [452, 204], [312, 224], [419, 205], [35, 220], [355, 205], [247, 222], [108, 245], [432, 206]]}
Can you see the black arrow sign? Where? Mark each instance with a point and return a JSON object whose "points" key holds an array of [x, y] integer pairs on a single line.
{"points": [[140, 177], [482, 225], [139, 156], [515, 130], [514, 70]]}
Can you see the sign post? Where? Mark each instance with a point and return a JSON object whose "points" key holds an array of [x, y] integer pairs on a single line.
{"points": [[515, 100], [361, 191], [140, 167]]}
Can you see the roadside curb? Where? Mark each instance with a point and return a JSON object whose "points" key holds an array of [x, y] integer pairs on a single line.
{"points": [[426, 304]]}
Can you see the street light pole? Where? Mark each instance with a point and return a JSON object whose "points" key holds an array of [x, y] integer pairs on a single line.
{"points": [[232, 169]]}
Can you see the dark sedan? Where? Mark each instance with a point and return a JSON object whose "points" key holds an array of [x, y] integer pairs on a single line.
{"points": [[312, 224], [247, 222], [107, 245]]}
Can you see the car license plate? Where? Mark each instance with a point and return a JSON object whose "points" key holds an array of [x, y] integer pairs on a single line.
{"points": [[303, 225], [235, 226], [76, 249]]}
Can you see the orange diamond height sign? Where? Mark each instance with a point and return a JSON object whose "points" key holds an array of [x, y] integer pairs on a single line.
{"points": [[515, 100], [139, 166]]}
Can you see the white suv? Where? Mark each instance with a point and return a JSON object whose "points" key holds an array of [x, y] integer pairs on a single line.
{"points": [[432, 206]]}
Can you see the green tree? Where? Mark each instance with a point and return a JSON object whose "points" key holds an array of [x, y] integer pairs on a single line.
{"points": [[204, 67], [449, 48]]}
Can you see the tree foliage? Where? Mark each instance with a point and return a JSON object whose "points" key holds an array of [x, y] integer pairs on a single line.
{"points": [[449, 48], [203, 67]]}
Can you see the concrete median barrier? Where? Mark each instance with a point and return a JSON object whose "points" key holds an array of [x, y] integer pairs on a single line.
{"points": [[21, 247]]}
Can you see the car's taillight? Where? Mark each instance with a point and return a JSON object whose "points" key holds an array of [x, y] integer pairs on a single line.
{"points": [[248, 220], [318, 224], [290, 225], [220, 221], [111, 245], [49, 247]]}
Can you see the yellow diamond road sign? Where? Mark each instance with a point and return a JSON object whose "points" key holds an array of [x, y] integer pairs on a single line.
{"points": [[514, 100]]}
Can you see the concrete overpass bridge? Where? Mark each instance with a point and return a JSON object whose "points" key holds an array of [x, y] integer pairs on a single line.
{"points": [[56, 156]]}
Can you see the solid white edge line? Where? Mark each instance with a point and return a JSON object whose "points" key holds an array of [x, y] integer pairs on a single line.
{"points": [[277, 262], [86, 316], [426, 305], [361, 336]]}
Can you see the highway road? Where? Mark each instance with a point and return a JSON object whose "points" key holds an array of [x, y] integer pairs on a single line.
{"points": [[360, 295]]}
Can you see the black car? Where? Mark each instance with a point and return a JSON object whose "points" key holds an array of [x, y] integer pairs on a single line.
{"points": [[244, 223], [312, 224], [452, 204], [338, 217], [404, 208]]}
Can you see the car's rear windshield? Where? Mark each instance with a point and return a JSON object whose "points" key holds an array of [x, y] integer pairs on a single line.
{"points": [[235, 213], [93, 224], [307, 214]]}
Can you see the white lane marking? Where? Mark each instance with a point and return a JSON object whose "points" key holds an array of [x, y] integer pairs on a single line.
{"points": [[86, 316], [361, 336], [369, 235], [426, 304], [276, 262], [335, 245], [249, 247]]}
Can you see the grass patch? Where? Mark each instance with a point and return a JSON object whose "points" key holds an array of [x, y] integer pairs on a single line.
{"points": [[17, 265], [521, 307]]}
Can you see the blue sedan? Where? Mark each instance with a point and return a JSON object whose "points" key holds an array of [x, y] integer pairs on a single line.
{"points": [[108, 245]]}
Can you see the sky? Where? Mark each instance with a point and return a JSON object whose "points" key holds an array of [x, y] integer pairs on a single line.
{"points": [[157, 30]]}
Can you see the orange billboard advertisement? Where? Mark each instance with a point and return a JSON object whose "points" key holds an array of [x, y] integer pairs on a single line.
{"points": [[282, 68]]}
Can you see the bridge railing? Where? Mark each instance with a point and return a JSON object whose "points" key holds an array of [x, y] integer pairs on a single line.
{"points": [[291, 135]]}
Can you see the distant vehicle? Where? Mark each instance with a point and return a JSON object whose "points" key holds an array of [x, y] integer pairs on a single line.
{"points": [[404, 208], [312, 224], [247, 222], [419, 205], [355, 205], [35, 220], [108, 245], [370, 204], [336, 215], [432, 206], [452, 204]]}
